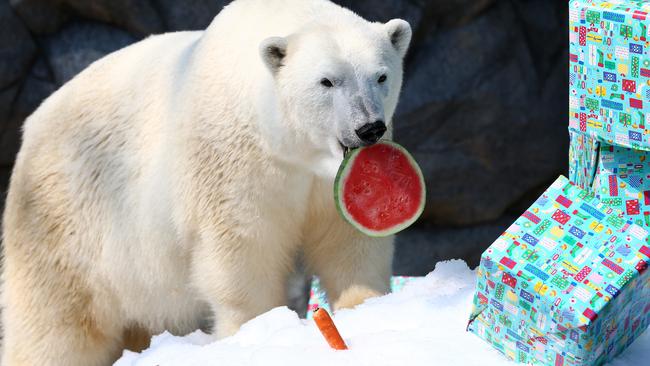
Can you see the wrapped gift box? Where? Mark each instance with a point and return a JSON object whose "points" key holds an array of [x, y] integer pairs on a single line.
{"points": [[609, 70], [566, 284], [609, 102]]}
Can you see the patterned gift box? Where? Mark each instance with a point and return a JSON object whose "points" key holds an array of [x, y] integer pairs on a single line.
{"points": [[566, 284], [609, 71], [609, 102], [318, 297]]}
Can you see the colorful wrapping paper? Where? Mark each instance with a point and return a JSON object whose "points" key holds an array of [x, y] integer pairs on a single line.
{"points": [[583, 159], [623, 181], [618, 176], [566, 284], [318, 297], [609, 102], [609, 71]]}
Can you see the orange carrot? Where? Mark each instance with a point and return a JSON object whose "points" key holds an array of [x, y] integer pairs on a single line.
{"points": [[328, 329]]}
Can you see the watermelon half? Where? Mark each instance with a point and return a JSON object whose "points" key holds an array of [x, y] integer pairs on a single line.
{"points": [[379, 189]]}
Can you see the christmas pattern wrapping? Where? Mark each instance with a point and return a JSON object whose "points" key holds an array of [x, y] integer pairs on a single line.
{"points": [[609, 71], [566, 284], [318, 297]]}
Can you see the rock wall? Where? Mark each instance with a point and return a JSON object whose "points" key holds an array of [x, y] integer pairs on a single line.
{"points": [[483, 107]]}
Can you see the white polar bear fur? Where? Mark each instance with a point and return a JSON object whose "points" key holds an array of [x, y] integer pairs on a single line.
{"points": [[176, 179]]}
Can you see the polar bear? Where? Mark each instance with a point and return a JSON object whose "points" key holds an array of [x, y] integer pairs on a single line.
{"points": [[175, 180]]}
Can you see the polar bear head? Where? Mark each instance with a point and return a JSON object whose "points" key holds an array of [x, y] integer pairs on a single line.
{"points": [[337, 85]]}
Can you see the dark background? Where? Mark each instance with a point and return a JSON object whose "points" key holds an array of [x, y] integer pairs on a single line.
{"points": [[483, 108]]}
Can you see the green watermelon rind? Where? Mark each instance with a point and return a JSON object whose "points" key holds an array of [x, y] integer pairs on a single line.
{"points": [[345, 167]]}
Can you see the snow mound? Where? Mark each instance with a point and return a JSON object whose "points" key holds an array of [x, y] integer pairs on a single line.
{"points": [[423, 324]]}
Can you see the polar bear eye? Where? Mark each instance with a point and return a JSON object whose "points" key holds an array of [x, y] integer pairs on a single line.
{"points": [[381, 79], [326, 82]]}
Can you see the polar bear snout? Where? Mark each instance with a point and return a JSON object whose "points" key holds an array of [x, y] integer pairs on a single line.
{"points": [[371, 132], [359, 113]]}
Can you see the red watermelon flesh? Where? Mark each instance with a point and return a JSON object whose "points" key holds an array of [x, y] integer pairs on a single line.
{"points": [[380, 189]]}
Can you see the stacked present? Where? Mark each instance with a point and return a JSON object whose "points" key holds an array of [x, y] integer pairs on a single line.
{"points": [[609, 102], [567, 283]]}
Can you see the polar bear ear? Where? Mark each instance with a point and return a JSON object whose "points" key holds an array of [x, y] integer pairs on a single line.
{"points": [[399, 33], [273, 51]]}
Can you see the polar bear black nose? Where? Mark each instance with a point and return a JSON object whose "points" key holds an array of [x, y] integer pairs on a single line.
{"points": [[371, 132]]}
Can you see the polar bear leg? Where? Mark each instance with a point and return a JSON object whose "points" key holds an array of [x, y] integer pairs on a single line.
{"points": [[351, 266], [241, 281], [49, 321]]}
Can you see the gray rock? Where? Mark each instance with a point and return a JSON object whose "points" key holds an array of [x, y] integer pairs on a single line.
{"points": [[453, 13], [139, 17], [10, 131], [192, 15], [41, 16], [7, 98], [17, 49], [37, 85], [77, 45], [383, 11], [484, 115], [5, 173], [419, 248]]}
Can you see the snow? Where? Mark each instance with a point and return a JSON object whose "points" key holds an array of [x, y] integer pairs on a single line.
{"points": [[423, 324]]}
